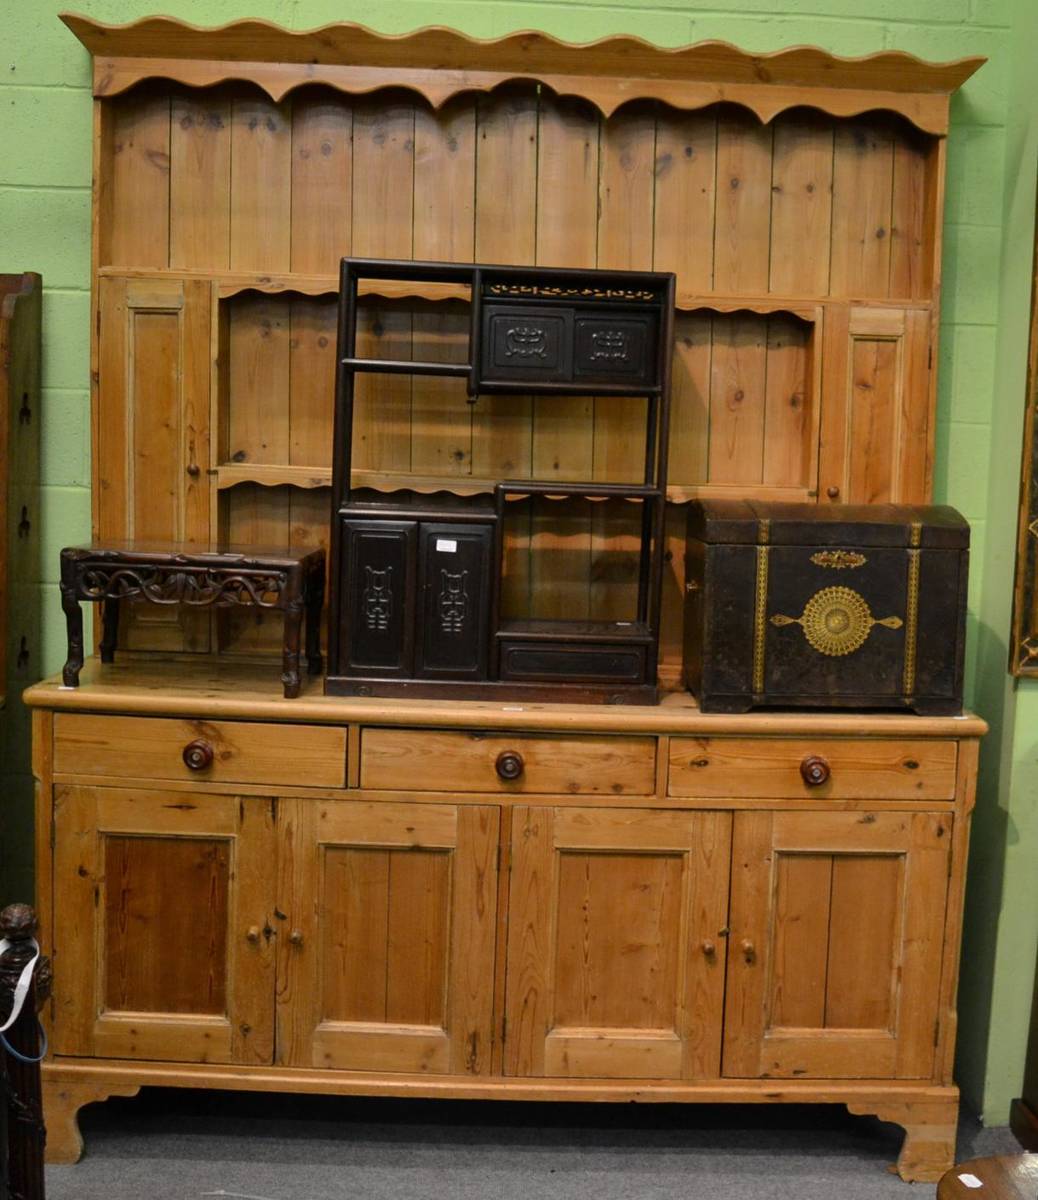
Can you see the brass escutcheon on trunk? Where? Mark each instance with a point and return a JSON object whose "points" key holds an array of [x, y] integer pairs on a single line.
{"points": [[836, 621]]}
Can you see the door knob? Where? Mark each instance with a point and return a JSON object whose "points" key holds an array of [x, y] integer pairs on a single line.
{"points": [[509, 765], [198, 755], [814, 770]]}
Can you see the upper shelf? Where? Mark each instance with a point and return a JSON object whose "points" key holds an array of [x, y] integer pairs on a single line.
{"points": [[439, 63]]}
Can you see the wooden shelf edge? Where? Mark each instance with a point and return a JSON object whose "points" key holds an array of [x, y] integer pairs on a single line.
{"points": [[229, 475], [437, 47], [231, 284], [440, 63]]}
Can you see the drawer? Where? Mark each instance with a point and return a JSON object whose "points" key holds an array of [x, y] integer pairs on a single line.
{"points": [[459, 761], [760, 768], [242, 751], [579, 662]]}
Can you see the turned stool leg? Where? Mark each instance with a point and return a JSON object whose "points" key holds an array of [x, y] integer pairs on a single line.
{"points": [[290, 657], [110, 610], [74, 623]]}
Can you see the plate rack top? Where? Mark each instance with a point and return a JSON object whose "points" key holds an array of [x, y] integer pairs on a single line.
{"points": [[440, 63]]}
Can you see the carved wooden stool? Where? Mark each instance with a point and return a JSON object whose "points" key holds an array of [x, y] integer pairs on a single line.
{"points": [[292, 581]]}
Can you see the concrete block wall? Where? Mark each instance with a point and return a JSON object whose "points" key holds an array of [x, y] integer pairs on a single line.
{"points": [[45, 134]]}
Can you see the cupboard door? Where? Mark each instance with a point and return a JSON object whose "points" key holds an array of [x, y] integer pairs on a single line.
{"points": [[162, 940], [151, 450], [386, 952], [877, 435], [454, 569], [378, 583], [837, 925], [616, 943]]}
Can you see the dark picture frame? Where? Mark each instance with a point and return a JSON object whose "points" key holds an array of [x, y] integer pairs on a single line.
{"points": [[1023, 644]]}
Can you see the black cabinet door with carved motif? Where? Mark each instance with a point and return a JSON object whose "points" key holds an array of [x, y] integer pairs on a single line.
{"points": [[378, 562], [454, 570]]}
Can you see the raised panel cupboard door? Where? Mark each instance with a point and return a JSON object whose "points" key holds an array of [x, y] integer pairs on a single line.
{"points": [[616, 944], [387, 917], [837, 923], [161, 919], [151, 435], [876, 435]]}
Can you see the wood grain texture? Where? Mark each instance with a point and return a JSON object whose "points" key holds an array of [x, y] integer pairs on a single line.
{"points": [[148, 747], [152, 433], [863, 165], [311, 382], [391, 913], [742, 231], [139, 992], [322, 182], [439, 63], [801, 205], [261, 185], [609, 917], [169, 685], [505, 232], [139, 193], [787, 415], [450, 761], [907, 770], [683, 204], [444, 185], [200, 180], [812, 989]]}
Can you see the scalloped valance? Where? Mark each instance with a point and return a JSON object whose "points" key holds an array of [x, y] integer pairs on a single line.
{"points": [[439, 63]]}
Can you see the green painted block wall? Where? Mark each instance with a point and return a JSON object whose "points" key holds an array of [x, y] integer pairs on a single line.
{"points": [[45, 122]]}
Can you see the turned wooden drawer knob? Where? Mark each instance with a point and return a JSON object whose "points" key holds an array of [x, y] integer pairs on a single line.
{"points": [[509, 765], [814, 770], [296, 937], [709, 949], [198, 755], [749, 951], [253, 934]]}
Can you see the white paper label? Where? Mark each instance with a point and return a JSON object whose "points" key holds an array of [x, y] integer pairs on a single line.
{"points": [[446, 546], [971, 1181]]}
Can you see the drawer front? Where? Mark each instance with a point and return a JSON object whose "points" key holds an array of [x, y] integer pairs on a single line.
{"points": [[241, 752], [457, 761], [578, 662], [812, 768], [528, 343], [620, 348]]}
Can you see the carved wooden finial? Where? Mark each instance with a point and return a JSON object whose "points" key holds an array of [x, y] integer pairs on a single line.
{"points": [[18, 922]]}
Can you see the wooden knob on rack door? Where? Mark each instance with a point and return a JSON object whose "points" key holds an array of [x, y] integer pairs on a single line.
{"points": [[814, 770], [709, 949], [509, 765], [749, 951], [198, 755], [833, 492], [253, 934], [296, 937]]}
